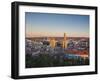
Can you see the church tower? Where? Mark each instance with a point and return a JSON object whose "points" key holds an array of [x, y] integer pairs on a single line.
{"points": [[64, 42], [52, 42]]}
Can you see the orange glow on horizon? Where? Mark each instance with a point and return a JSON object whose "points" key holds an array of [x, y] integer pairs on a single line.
{"points": [[56, 34]]}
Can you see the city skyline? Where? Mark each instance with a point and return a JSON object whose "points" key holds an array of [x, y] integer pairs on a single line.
{"points": [[54, 25]]}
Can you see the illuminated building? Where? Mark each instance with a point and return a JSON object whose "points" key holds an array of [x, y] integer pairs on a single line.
{"points": [[64, 42], [52, 42]]}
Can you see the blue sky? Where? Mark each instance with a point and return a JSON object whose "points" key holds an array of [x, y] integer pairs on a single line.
{"points": [[50, 24]]}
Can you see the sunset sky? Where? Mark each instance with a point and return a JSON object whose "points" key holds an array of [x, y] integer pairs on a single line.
{"points": [[50, 24]]}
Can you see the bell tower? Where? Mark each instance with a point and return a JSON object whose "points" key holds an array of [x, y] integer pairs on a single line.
{"points": [[64, 42]]}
